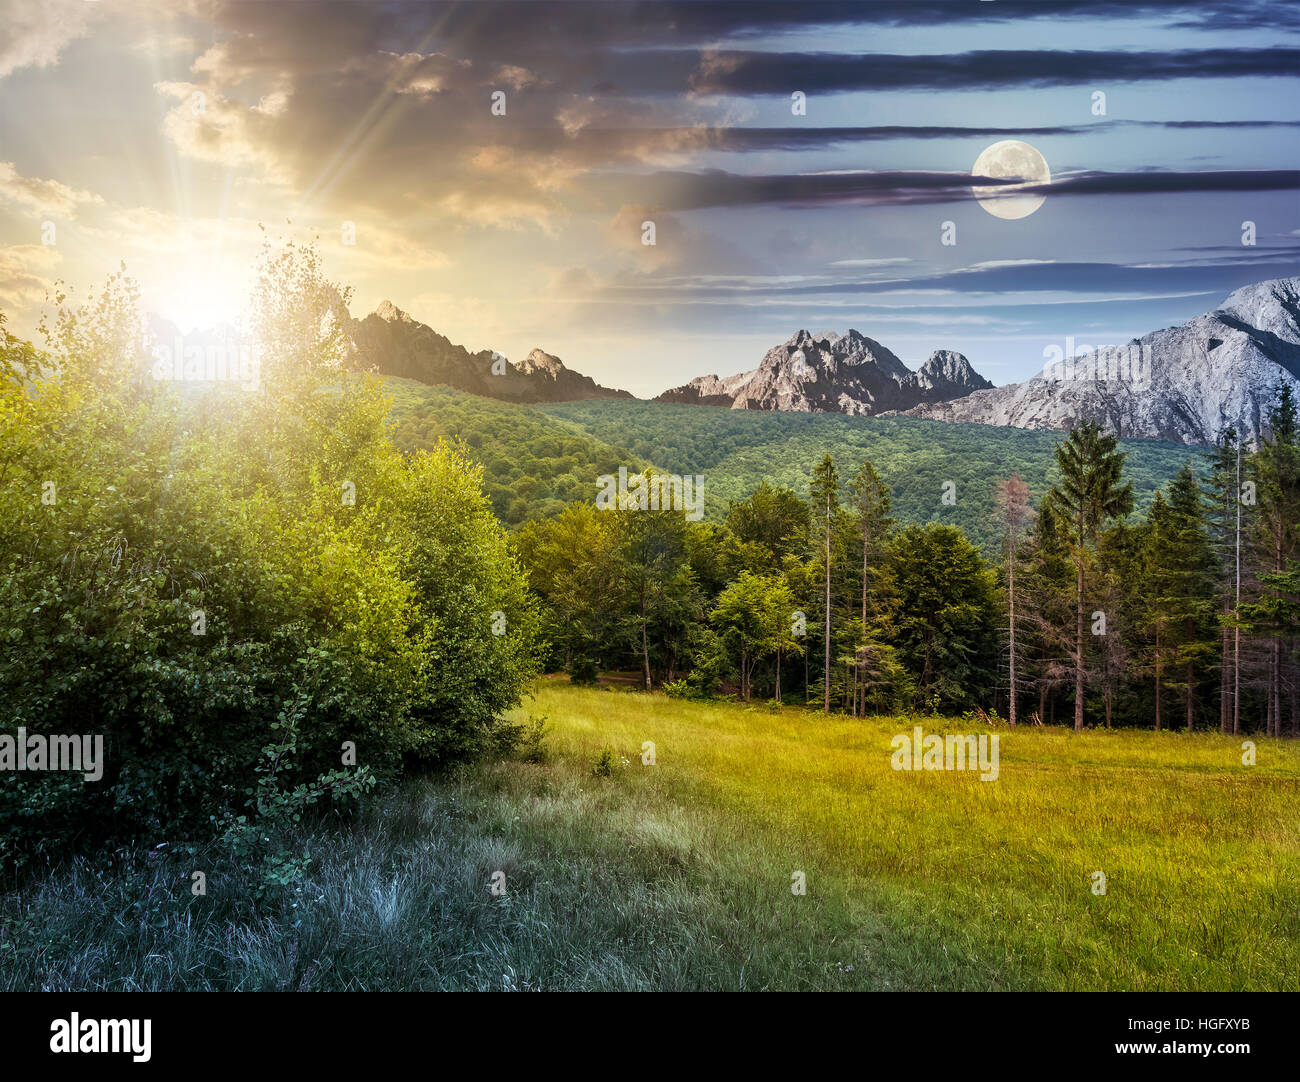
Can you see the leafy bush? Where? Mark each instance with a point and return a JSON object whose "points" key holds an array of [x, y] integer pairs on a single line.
{"points": [[530, 740], [204, 555], [266, 836], [583, 670], [605, 762]]}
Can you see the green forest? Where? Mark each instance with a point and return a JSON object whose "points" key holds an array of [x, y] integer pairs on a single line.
{"points": [[890, 563], [538, 458]]}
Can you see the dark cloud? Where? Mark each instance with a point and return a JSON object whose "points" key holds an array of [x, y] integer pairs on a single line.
{"points": [[794, 138], [1065, 277], [1105, 279], [695, 21], [744, 72], [678, 191]]}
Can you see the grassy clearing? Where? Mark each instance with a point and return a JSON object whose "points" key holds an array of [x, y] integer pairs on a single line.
{"points": [[678, 875]]}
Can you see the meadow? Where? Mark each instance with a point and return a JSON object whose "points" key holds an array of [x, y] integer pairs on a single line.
{"points": [[621, 875]]}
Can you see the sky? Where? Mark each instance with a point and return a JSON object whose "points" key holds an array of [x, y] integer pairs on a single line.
{"points": [[802, 163]]}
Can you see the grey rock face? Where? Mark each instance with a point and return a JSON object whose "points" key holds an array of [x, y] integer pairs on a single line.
{"points": [[847, 373], [1184, 383]]}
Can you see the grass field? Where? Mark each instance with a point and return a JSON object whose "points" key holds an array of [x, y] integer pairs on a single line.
{"points": [[678, 875]]}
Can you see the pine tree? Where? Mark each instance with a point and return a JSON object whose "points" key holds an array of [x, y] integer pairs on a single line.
{"points": [[825, 491], [945, 630], [1091, 492], [1120, 558], [1223, 515], [871, 502], [1048, 597], [1180, 580], [1276, 469], [1014, 514]]}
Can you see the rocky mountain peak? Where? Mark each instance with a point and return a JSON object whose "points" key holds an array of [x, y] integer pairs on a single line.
{"points": [[1185, 383], [394, 344], [840, 373], [947, 374], [390, 313], [539, 360]]}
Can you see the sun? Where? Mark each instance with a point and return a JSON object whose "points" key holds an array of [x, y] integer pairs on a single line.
{"points": [[197, 304]]}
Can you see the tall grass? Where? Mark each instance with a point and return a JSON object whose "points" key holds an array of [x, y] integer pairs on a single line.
{"points": [[678, 875]]}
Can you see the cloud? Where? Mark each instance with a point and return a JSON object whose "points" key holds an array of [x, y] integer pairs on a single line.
{"points": [[209, 127], [40, 197], [743, 72], [579, 24], [24, 274], [679, 191], [36, 31]]}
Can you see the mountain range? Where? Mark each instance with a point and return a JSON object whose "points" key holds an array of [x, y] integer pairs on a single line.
{"points": [[394, 344], [847, 373], [1184, 383]]}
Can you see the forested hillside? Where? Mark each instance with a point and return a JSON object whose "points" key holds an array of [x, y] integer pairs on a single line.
{"points": [[533, 464], [538, 458], [736, 450]]}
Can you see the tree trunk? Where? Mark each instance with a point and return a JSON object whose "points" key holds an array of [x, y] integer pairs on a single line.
{"points": [[865, 536], [1225, 690], [645, 650], [1275, 673], [1011, 623], [826, 661], [1159, 674], [1236, 681], [1189, 697], [1274, 688], [1078, 652], [1236, 631], [1291, 689]]}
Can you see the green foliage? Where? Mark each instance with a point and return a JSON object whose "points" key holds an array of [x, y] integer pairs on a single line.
{"points": [[737, 450], [221, 510], [533, 464], [617, 589], [752, 620], [944, 627], [265, 835], [676, 689], [531, 747]]}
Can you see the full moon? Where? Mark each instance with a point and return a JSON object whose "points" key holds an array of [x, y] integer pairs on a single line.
{"points": [[1014, 160]]}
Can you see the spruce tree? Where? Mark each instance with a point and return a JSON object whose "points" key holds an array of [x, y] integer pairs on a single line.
{"points": [[1090, 494], [825, 499]]}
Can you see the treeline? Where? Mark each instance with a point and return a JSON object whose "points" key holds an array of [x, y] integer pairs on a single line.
{"points": [[737, 450], [1186, 616], [538, 459]]}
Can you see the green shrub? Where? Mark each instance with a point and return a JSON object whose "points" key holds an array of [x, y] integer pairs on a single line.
{"points": [[583, 670], [605, 762], [532, 741], [677, 689], [212, 553]]}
